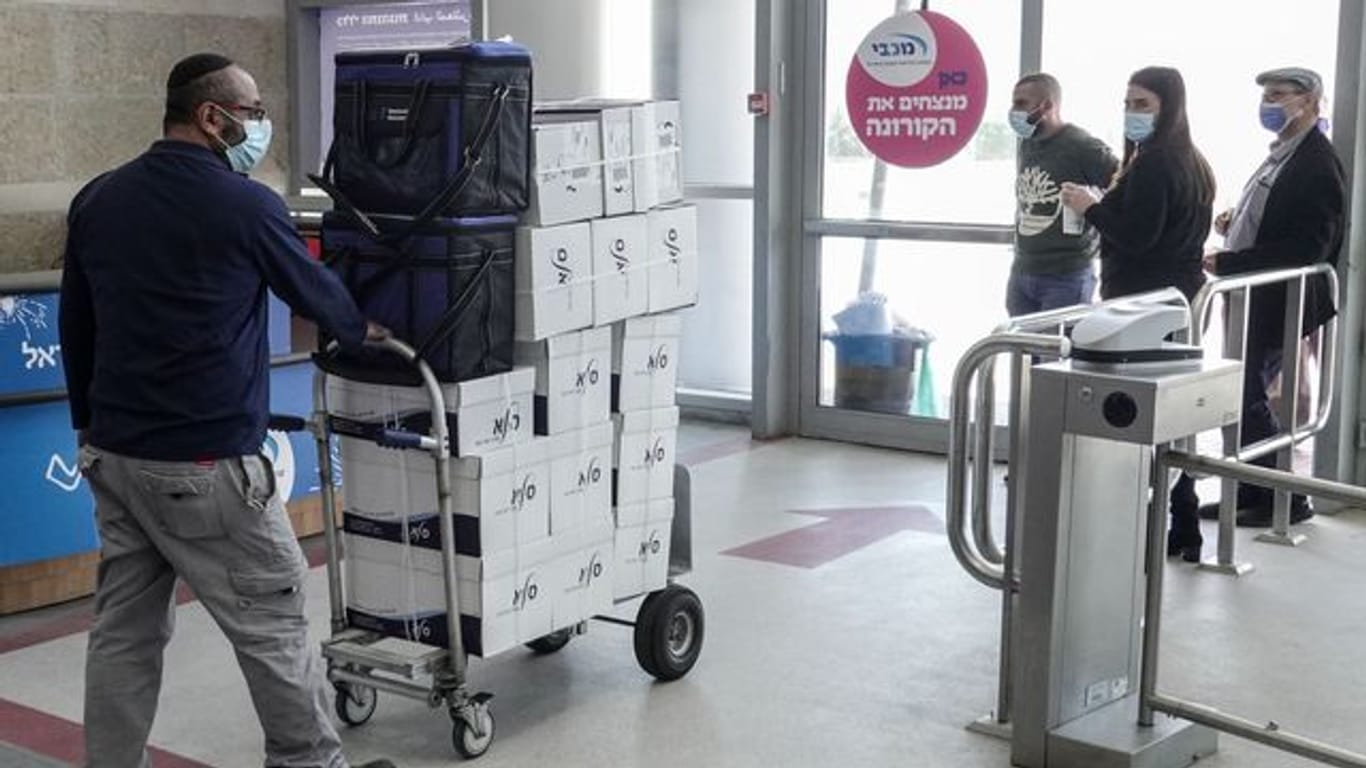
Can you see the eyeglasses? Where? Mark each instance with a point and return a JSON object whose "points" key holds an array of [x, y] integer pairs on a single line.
{"points": [[252, 113]]}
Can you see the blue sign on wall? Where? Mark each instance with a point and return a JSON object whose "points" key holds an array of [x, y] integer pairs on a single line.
{"points": [[46, 510], [296, 455], [30, 351]]}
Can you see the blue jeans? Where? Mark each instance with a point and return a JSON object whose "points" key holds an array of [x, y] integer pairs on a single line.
{"points": [[1027, 294]]}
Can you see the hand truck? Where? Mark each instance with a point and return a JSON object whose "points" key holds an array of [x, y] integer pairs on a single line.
{"points": [[668, 630]]}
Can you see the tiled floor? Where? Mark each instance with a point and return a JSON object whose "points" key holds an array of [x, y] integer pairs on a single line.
{"points": [[875, 658]]}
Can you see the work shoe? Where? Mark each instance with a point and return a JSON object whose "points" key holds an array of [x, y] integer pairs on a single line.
{"points": [[1183, 538], [1186, 542]]}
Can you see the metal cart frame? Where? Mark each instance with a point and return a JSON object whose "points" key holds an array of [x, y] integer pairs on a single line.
{"points": [[669, 627]]}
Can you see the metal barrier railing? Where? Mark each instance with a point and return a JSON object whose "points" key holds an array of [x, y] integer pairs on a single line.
{"points": [[1235, 290], [1150, 700]]}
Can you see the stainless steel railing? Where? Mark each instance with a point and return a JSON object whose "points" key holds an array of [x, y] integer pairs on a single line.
{"points": [[1235, 290], [1150, 700]]}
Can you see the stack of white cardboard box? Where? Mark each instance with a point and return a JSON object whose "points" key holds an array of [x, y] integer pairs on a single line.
{"points": [[564, 478]]}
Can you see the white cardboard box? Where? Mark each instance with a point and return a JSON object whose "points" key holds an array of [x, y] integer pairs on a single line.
{"points": [[620, 268], [614, 121], [502, 499], [658, 136], [486, 414], [387, 485], [554, 280], [566, 184], [509, 599], [645, 362], [573, 379], [581, 479], [398, 589], [642, 552], [673, 257], [645, 455], [585, 570]]}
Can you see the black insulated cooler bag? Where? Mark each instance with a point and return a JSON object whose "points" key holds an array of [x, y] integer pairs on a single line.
{"points": [[440, 132], [447, 290]]}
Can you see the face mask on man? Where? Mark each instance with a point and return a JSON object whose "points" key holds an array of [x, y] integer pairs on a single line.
{"points": [[247, 153], [1138, 126], [1025, 124], [1275, 117]]}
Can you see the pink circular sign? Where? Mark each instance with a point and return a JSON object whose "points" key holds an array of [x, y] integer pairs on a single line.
{"points": [[916, 89]]}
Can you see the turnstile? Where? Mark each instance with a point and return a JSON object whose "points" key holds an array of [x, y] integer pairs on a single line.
{"points": [[1087, 480]]}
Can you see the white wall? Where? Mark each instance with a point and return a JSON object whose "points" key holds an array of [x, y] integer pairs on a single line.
{"points": [[566, 38]]}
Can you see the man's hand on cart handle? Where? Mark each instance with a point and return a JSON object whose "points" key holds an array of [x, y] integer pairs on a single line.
{"points": [[376, 332]]}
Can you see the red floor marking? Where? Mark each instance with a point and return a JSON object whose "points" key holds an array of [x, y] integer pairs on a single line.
{"points": [[706, 453], [61, 739], [841, 532]]}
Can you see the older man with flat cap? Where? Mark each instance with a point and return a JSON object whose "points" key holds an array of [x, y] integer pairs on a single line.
{"points": [[1291, 214]]}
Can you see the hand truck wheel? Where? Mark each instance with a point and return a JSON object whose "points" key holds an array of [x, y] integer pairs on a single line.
{"points": [[669, 631], [355, 704], [473, 727]]}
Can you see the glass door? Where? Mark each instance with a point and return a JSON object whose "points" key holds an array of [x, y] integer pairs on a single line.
{"points": [[922, 252]]}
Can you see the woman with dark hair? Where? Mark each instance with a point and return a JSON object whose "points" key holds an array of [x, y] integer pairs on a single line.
{"points": [[1153, 222], [1154, 219]]}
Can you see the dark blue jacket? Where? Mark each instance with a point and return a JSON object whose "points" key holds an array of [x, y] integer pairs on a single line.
{"points": [[163, 307]]}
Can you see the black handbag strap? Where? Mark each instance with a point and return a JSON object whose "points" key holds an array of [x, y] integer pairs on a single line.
{"points": [[459, 309], [473, 158]]}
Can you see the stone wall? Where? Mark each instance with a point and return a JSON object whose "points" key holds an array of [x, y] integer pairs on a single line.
{"points": [[82, 85]]}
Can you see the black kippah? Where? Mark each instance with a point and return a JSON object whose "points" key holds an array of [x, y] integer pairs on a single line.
{"points": [[194, 67]]}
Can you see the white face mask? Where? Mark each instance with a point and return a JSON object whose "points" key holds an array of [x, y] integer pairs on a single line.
{"points": [[248, 153], [1138, 126], [1020, 123]]}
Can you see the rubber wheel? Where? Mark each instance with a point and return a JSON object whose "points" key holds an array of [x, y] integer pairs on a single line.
{"points": [[355, 704], [543, 646], [467, 744], [669, 631]]}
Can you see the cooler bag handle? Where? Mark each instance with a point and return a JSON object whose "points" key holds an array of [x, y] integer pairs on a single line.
{"points": [[473, 158], [410, 121], [323, 182], [462, 305]]}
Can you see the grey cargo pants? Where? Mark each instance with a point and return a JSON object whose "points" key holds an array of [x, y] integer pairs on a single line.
{"points": [[222, 528]]}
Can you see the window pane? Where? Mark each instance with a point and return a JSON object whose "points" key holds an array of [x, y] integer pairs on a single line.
{"points": [[976, 186], [716, 335], [715, 72], [1219, 48], [954, 291]]}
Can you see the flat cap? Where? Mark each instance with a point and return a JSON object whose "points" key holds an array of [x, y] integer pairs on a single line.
{"points": [[1304, 79]]}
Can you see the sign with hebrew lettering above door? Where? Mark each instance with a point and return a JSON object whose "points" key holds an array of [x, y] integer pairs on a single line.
{"points": [[916, 89]]}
